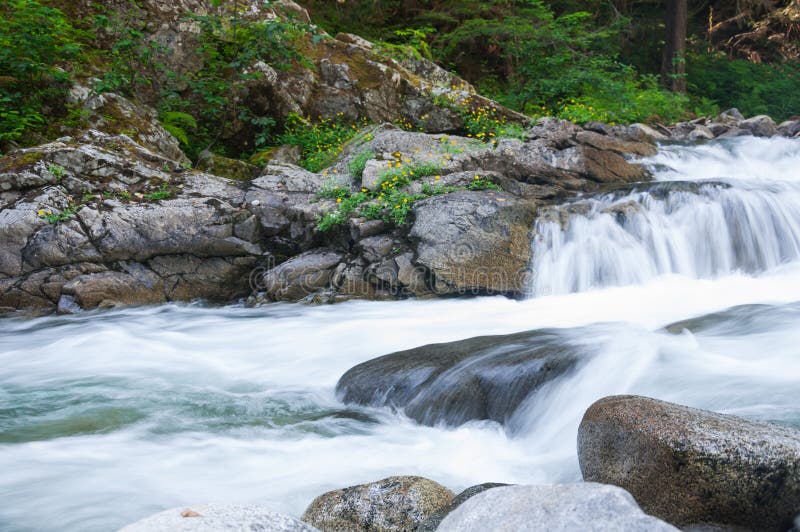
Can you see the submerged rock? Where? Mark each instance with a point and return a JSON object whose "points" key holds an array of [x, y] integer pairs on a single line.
{"points": [[391, 504], [218, 518], [691, 466], [568, 507], [477, 379]]}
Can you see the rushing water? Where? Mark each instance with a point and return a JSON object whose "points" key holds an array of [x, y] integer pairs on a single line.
{"points": [[107, 417]]}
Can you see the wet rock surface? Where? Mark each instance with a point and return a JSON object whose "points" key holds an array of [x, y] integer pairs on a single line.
{"points": [[690, 466], [484, 378], [565, 507], [391, 504]]}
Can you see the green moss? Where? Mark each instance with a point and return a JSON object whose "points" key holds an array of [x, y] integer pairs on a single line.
{"points": [[229, 168]]}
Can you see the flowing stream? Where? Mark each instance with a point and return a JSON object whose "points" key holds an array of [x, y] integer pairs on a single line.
{"points": [[687, 290]]}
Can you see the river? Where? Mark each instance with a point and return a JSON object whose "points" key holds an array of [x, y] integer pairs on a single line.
{"points": [[687, 291]]}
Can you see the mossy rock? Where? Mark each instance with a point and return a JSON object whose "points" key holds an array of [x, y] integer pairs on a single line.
{"points": [[229, 168]]}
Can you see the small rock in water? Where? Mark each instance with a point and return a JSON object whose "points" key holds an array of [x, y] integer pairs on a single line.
{"points": [[391, 504], [559, 508], [690, 466], [219, 518]]}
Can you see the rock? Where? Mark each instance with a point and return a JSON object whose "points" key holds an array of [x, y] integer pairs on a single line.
{"points": [[644, 133], [286, 154], [477, 379], [474, 241], [301, 275], [616, 145], [89, 291], [433, 522], [701, 132], [411, 277], [691, 466], [350, 38], [598, 165], [224, 167], [375, 248], [789, 128], [760, 126], [117, 116], [720, 128], [67, 305], [391, 504], [730, 115], [218, 518], [567, 507]]}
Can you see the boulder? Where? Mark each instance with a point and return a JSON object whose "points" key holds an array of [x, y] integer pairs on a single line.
{"points": [[643, 133], [730, 115], [484, 378], [301, 276], [690, 466], [115, 288], [760, 126], [234, 169], [218, 518], [614, 144], [567, 507], [789, 128], [474, 241], [433, 522], [391, 504], [701, 132]]}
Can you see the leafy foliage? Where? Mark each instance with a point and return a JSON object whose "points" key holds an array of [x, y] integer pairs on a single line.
{"points": [[321, 139], [754, 88], [35, 40], [179, 124]]}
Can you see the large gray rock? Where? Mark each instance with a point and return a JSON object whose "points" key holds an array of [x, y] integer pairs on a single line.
{"points": [[760, 126], [480, 378], [567, 507], [433, 522], [391, 504], [219, 518], [690, 466], [789, 128], [301, 276], [474, 241]]}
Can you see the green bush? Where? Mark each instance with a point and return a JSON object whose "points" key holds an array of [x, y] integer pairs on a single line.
{"points": [[753, 88], [321, 140], [35, 40], [359, 162]]}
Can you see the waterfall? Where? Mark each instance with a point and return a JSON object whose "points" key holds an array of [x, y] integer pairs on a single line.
{"points": [[715, 209]]}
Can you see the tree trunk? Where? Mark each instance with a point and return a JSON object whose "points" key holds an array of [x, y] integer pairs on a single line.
{"points": [[673, 65]]}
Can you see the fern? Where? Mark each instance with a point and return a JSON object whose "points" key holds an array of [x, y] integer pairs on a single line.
{"points": [[179, 125]]}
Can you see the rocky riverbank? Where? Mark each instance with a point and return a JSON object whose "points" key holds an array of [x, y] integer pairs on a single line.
{"points": [[104, 219], [114, 214], [689, 468]]}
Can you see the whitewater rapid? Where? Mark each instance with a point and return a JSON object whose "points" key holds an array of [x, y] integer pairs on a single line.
{"points": [[715, 209], [106, 417]]}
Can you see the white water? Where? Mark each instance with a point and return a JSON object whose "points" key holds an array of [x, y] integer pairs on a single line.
{"points": [[108, 417], [720, 208]]}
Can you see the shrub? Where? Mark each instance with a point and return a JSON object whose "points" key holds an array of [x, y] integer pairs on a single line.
{"points": [[359, 162], [753, 88], [35, 40], [321, 140]]}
